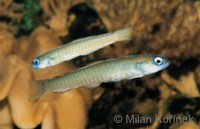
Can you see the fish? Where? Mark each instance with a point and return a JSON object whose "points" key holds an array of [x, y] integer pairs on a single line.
{"points": [[111, 70], [79, 47]]}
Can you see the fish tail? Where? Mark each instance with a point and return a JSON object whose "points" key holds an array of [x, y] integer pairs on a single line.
{"points": [[37, 89], [124, 34]]}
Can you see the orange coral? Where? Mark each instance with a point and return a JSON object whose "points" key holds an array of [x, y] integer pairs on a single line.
{"points": [[185, 85], [10, 9], [55, 11], [169, 28], [60, 111]]}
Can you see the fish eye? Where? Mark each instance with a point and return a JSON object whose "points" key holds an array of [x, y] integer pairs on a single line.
{"points": [[158, 60], [36, 62]]}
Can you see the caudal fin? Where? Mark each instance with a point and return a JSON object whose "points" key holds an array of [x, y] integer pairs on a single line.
{"points": [[37, 89], [124, 34]]}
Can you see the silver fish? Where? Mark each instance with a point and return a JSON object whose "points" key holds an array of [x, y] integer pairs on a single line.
{"points": [[93, 75], [79, 47]]}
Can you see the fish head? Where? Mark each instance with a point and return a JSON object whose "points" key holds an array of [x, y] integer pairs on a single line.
{"points": [[39, 62], [152, 64]]}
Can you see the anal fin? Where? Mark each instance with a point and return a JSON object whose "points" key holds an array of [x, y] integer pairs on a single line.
{"points": [[61, 90]]}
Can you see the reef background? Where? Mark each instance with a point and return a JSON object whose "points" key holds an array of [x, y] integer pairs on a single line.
{"points": [[169, 28]]}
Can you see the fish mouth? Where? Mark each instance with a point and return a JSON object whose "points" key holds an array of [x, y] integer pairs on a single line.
{"points": [[168, 62]]}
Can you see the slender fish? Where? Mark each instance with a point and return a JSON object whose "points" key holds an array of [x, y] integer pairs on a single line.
{"points": [[93, 75], [79, 47]]}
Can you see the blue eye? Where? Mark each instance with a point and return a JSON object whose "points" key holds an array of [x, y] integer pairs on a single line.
{"points": [[158, 60], [35, 63]]}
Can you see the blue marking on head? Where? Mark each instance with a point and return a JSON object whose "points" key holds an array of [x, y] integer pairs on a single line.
{"points": [[35, 63]]}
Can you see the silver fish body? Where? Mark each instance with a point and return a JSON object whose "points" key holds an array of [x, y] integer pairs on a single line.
{"points": [[79, 47], [112, 70]]}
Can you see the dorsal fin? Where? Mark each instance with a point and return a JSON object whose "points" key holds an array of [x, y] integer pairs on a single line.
{"points": [[83, 39], [90, 64], [91, 37]]}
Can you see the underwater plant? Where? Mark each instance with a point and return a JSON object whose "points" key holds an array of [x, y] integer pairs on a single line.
{"points": [[31, 11]]}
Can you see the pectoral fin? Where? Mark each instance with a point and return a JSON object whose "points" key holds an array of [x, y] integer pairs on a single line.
{"points": [[117, 77], [93, 86]]}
